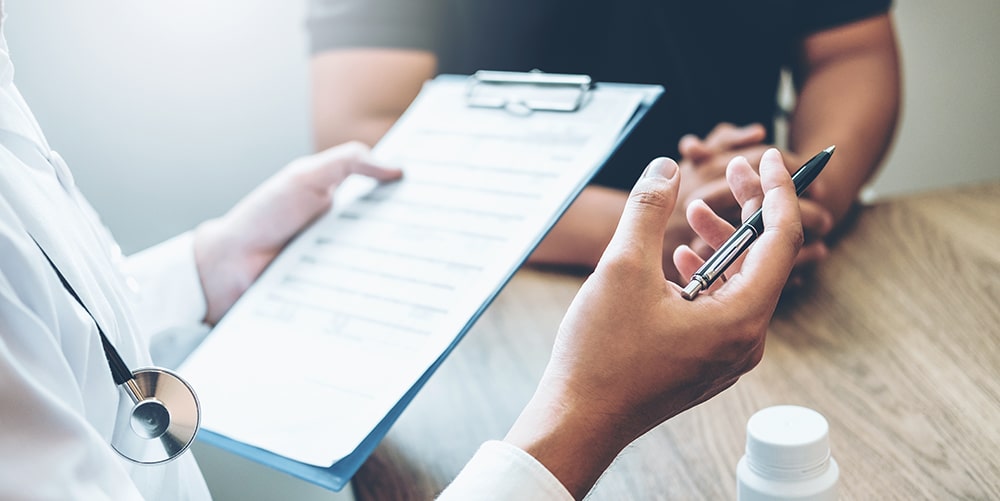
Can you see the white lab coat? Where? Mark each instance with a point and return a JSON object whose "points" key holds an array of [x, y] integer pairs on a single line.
{"points": [[58, 403]]}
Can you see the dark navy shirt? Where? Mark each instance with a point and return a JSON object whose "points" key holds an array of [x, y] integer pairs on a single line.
{"points": [[719, 61]]}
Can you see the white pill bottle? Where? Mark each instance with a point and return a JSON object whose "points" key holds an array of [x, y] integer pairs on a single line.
{"points": [[787, 457]]}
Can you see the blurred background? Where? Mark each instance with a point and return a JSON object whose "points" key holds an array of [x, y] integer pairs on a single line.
{"points": [[168, 112]]}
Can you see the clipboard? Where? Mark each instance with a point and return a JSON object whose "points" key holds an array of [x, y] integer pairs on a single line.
{"points": [[572, 93]]}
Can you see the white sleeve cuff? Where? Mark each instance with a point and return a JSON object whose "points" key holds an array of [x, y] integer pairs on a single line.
{"points": [[500, 470], [167, 287]]}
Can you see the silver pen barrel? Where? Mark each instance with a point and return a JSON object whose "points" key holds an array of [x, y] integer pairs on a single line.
{"points": [[727, 254]]}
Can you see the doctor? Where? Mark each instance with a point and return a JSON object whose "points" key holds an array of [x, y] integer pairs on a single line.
{"points": [[630, 352]]}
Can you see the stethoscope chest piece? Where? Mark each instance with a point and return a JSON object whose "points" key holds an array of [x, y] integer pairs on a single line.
{"points": [[163, 415], [159, 414]]}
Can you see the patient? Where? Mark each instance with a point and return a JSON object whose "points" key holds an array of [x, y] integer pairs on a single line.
{"points": [[720, 68]]}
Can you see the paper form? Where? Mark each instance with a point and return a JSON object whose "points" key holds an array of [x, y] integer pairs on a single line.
{"points": [[357, 308]]}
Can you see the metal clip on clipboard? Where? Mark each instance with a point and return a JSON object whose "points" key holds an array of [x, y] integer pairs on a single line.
{"points": [[523, 93]]}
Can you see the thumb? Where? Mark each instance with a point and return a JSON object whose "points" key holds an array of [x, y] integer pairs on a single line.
{"points": [[644, 219]]}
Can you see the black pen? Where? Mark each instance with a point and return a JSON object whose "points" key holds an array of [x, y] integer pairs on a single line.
{"points": [[749, 231]]}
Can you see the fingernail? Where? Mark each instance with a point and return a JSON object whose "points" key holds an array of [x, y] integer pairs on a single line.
{"points": [[660, 167]]}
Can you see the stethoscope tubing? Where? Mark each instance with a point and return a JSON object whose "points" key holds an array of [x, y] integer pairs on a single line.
{"points": [[174, 430]]}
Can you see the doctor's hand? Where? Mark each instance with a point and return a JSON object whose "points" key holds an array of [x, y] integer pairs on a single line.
{"points": [[707, 159], [630, 352], [233, 250], [703, 169]]}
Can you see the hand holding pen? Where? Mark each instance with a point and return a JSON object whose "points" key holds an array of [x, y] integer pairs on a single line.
{"points": [[630, 351], [730, 250]]}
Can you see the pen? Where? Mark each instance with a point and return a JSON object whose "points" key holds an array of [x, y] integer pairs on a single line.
{"points": [[749, 231]]}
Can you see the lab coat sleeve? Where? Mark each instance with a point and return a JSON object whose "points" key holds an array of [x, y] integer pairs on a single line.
{"points": [[501, 471], [167, 287]]}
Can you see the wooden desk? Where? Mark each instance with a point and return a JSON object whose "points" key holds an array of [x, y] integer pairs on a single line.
{"points": [[896, 341]]}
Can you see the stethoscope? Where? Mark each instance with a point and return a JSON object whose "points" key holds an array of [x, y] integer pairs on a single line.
{"points": [[163, 411]]}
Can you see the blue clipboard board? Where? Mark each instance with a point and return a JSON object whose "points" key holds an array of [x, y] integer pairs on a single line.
{"points": [[338, 475]]}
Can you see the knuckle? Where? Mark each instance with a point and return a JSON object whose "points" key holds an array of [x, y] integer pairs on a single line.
{"points": [[790, 235], [355, 146], [351, 151], [796, 235], [651, 196]]}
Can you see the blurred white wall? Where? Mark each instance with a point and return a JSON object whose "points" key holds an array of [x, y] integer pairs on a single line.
{"points": [[167, 111], [951, 111]]}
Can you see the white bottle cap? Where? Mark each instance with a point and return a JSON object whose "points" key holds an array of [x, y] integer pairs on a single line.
{"points": [[787, 441]]}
